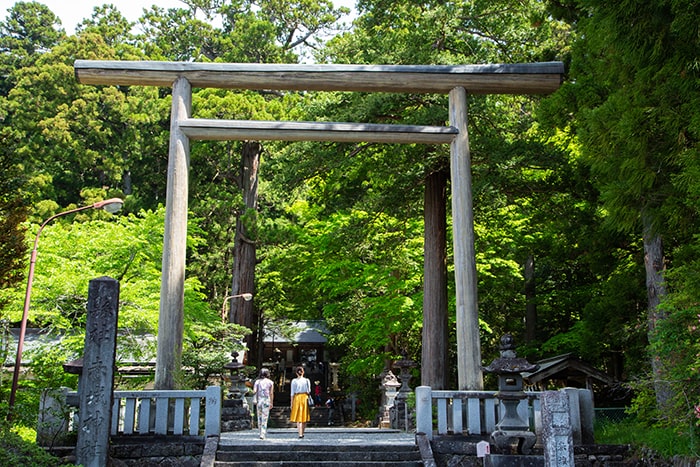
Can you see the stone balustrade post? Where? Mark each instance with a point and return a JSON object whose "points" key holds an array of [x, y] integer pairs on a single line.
{"points": [[424, 411]]}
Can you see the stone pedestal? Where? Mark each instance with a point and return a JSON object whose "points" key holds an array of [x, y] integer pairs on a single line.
{"points": [[500, 460], [235, 416]]}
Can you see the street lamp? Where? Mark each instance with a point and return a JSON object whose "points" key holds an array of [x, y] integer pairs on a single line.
{"points": [[245, 296], [112, 206]]}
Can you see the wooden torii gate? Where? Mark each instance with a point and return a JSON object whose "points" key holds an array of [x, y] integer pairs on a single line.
{"points": [[457, 81]]}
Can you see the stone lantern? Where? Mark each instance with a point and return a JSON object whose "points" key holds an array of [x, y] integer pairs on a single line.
{"points": [[401, 406], [235, 411], [334, 376], [404, 365], [512, 433], [391, 385], [238, 388]]}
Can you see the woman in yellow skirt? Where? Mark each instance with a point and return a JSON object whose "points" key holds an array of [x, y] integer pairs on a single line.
{"points": [[300, 390]]}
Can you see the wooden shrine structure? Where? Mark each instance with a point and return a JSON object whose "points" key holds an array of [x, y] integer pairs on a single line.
{"points": [[455, 80]]}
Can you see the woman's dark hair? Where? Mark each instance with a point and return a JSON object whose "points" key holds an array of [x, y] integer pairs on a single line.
{"points": [[264, 373], [299, 370]]}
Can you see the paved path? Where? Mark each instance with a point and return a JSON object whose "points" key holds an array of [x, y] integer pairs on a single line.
{"points": [[328, 436]]}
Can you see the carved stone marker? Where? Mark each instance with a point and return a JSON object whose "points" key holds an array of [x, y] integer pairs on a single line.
{"points": [[95, 392], [556, 430]]}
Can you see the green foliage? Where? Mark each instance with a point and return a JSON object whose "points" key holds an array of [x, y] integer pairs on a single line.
{"points": [[370, 293], [208, 341], [29, 30], [634, 80], [675, 341], [15, 451], [644, 405], [71, 253], [46, 371], [207, 347], [12, 214], [657, 444]]}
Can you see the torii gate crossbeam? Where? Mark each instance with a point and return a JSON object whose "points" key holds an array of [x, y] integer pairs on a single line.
{"points": [[457, 81]]}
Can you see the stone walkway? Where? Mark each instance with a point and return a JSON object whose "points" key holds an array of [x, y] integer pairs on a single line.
{"points": [[328, 436]]}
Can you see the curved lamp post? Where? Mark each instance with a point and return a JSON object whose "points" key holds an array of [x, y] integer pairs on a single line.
{"points": [[245, 296], [112, 206]]}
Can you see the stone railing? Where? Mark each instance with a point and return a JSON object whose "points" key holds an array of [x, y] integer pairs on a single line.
{"points": [[478, 412], [167, 412], [173, 413]]}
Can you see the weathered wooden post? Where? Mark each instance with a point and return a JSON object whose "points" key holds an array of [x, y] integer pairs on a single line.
{"points": [[172, 289], [468, 342], [92, 448]]}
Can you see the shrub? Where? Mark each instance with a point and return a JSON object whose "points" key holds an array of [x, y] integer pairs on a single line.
{"points": [[15, 451]]}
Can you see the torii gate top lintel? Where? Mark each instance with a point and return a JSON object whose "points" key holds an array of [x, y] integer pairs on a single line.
{"points": [[520, 78]]}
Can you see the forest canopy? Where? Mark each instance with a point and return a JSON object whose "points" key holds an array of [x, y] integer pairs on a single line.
{"points": [[585, 201]]}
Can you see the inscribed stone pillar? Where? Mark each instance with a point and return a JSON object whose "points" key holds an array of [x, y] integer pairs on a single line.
{"points": [[92, 449], [556, 430]]}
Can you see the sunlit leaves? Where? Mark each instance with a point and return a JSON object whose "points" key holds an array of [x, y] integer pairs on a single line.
{"points": [[29, 30]]}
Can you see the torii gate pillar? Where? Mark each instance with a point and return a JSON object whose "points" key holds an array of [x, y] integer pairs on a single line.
{"points": [[172, 288], [468, 342]]}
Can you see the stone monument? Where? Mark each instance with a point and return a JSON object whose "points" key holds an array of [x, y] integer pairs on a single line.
{"points": [[97, 378]]}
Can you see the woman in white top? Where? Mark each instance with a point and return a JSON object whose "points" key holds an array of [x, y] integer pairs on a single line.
{"points": [[300, 390]]}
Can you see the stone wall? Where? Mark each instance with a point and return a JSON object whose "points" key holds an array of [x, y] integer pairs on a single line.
{"points": [[160, 451], [451, 451]]}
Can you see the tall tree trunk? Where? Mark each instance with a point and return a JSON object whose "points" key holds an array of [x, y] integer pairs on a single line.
{"points": [[434, 354], [656, 289], [530, 303], [244, 255]]}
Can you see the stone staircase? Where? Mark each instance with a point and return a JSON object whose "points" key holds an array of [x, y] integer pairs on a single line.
{"points": [[279, 417], [319, 448], [320, 455]]}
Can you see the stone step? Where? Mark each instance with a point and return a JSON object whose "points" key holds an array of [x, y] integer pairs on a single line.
{"points": [[279, 417], [290, 455], [336, 447], [317, 454], [307, 462]]}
